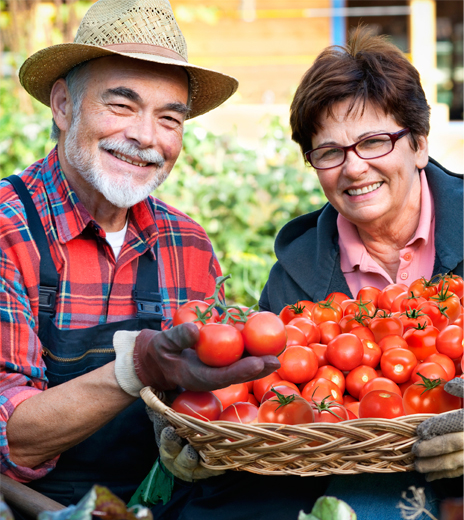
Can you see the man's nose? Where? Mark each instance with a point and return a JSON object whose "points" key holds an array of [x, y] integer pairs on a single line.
{"points": [[142, 131]]}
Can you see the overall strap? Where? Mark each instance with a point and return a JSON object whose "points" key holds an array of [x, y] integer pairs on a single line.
{"points": [[48, 274], [146, 294]]}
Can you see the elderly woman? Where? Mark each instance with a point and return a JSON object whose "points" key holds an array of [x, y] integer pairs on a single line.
{"points": [[361, 119]]}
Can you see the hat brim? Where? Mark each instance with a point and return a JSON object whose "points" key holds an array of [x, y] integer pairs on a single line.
{"points": [[41, 70]]}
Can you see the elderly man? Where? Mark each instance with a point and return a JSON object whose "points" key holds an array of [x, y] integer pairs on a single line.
{"points": [[87, 253]]}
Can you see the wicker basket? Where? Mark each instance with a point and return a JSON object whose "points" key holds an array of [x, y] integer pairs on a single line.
{"points": [[356, 446]]}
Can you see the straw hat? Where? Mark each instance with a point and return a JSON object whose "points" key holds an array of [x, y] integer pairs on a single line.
{"points": [[141, 29]]}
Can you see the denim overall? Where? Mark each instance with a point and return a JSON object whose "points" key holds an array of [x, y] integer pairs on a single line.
{"points": [[120, 454]]}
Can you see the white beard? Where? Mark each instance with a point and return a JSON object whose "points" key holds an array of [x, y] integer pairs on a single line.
{"points": [[122, 191]]}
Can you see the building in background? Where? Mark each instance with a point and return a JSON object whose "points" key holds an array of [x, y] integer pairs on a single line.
{"points": [[269, 44]]}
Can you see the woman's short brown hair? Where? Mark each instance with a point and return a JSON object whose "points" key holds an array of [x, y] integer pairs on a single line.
{"points": [[369, 69]]}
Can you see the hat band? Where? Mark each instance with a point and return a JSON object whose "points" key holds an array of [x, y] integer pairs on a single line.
{"points": [[145, 48]]}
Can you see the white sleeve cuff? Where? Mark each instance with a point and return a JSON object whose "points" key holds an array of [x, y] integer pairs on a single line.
{"points": [[124, 343]]}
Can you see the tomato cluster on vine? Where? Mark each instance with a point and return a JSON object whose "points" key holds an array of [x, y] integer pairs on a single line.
{"points": [[387, 353]]}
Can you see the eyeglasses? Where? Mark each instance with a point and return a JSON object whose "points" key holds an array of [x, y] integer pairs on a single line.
{"points": [[372, 147]]}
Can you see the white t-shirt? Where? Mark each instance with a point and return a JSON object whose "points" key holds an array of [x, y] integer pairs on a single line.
{"points": [[116, 240]]}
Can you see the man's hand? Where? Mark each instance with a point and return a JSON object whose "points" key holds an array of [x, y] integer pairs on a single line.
{"points": [[439, 451], [165, 360]]}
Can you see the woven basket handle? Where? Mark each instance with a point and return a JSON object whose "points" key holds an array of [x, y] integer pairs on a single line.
{"points": [[153, 401]]}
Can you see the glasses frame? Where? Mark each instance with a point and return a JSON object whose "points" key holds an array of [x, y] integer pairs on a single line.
{"points": [[394, 136]]}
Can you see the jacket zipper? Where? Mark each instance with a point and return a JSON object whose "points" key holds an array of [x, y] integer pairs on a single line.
{"points": [[47, 352]]}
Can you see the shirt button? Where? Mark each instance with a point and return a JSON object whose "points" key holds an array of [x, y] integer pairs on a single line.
{"points": [[408, 256], [403, 276]]}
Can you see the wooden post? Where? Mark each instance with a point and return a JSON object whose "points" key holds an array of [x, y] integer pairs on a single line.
{"points": [[423, 44]]}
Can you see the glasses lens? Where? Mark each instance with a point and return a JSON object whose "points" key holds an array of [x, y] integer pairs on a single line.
{"points": [[374, 146], [326, 157]]}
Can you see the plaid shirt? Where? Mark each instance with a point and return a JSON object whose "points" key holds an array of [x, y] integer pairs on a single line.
{"points": [[93, 288]]}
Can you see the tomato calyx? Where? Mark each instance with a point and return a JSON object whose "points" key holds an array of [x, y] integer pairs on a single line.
{"points": [[421, 326], [327, 304], [325, 406], [363, 310], [429, 384], [297, 308], [443, 294], [282, 399]]}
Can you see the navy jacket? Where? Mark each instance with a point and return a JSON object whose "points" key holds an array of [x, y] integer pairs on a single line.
{"points": [[308, 257]]}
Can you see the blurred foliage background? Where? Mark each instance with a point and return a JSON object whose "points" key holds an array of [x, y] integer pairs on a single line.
{"points": [[242, 195]]}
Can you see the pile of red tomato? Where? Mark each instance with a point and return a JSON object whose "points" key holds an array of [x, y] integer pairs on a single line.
{"points": [[387, 353]]}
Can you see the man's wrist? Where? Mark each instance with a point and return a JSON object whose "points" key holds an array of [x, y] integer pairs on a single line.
{"points": [[126, 376]]}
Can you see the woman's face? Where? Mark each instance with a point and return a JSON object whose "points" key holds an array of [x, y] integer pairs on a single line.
{"points": [[390, 184]]}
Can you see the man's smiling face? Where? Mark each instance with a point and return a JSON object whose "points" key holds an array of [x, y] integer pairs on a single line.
{"points": [[127, 135]]}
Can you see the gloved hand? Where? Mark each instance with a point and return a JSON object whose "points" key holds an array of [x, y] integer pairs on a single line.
{"points": [[182, 461], [439, 451], [165, 360]]}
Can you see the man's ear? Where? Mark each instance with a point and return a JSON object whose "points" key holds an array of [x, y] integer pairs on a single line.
{"points": [[61, 105], [422, 152]]}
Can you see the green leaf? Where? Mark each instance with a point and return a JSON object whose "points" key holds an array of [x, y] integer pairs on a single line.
{"points": [[329, 508]]}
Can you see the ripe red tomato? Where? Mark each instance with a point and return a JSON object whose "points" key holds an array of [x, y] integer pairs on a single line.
{"points": [[379, 383], [320, 388], [328, 331], [354, 321], [450, 341], [294, 311], [413, 318], [381, 403], [372, 353], [359, 307], [398, 364], [283, 387], [421, 342], [244, 413], [384, 324], [337, 297], [406, 302], [363, 332], [436, 312], [454, 282], [424, 287], [189, 312], [252, 399], [309, 329], [357, 378], [295, 336], [369, 293], [332, 374], [445, 362], [262, 385], [353, 408], [430, 370], [219, 345], [263, 334], [429, 397], [326, 310], [201, 405], [319, 349], [345, 352], [329, 412], [392, 341], [286, 410], [388, 294], [450, 301], [232, 394], [298, 364]]}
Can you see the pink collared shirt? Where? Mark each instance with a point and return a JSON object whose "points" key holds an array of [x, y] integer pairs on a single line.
{"points": [[416, 258]]}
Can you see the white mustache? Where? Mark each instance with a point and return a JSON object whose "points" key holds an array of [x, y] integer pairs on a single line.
{"points": [[129, 149]]}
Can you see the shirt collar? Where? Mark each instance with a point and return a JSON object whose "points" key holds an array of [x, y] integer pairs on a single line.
{"points": [[71, 217], [353, 253]]}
